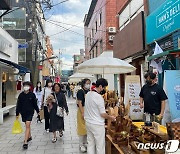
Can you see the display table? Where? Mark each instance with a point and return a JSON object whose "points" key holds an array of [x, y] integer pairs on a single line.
{"points": [[120, 150], [163, 129]]}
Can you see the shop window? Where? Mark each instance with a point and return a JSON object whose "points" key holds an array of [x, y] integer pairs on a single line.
{"points": [[15, 20], [22, 52]]}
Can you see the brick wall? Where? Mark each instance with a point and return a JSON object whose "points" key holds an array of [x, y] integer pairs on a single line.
{"points": [[121, 4], [108, 10], [111, 20]]}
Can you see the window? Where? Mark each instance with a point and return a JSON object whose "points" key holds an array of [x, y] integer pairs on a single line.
{"points": [[130, 12], [92, 53], [90, 38], [100, 19], [101, 47], [96, 51], [22, 52], [15, 20], [92, 33], [96, 26]]}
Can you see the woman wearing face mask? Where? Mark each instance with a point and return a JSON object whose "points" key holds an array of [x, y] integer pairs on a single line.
{"points": [[46, 92], [57, 122], [81, 128], [26, 105], [38, 92]]}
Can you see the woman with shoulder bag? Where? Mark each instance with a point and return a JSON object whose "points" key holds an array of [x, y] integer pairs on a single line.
{"points": [[56, 118]]}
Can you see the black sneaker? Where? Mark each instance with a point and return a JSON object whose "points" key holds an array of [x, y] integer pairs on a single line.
{"points": [[25, 146], [29, 139]]}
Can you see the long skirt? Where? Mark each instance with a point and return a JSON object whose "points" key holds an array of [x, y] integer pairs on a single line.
{"points": [[56, 122], [81, 127]]}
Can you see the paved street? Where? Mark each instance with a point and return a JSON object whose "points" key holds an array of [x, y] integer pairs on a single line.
{"points": [[41, 143]]}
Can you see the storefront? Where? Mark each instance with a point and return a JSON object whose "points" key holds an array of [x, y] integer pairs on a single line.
{"points": [[163, 26], [129, 45], [9, 69]]}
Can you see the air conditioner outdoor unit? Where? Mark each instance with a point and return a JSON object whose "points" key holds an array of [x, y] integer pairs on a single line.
{"points": [[111, 37], [112, 29], [29, 30]]}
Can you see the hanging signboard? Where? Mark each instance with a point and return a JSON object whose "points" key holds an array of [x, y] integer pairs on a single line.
{"points": [[21, 46], [131, 98], [163, 21], [172, 84]]}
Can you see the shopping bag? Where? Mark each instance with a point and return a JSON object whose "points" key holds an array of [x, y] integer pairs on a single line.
{"points": [[41, 113], [17, 128]]}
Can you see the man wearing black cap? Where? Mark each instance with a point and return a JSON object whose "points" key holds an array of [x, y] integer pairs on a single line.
{"points": [[153, 96], [26, 105]]}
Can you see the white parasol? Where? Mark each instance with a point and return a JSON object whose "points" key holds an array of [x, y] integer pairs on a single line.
{"points": [[105, 65]]}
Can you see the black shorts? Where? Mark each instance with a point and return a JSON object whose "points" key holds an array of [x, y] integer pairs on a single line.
{"points": [[27, 118]]}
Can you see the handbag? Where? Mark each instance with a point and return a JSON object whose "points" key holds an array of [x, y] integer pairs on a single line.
{"points": [[17, 128], [41, 114], [60, 110]]}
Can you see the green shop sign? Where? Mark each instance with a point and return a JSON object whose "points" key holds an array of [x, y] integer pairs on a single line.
{"points": [[163, 21]]}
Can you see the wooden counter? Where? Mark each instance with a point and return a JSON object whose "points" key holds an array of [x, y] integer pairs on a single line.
{"points": [[120, 150]]}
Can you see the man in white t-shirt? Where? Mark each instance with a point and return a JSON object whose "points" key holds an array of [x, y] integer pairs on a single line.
{"points": [[94, 116]]}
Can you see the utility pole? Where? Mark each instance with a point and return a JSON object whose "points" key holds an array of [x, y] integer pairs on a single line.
{"points": [[35, 62], [60, 63]]}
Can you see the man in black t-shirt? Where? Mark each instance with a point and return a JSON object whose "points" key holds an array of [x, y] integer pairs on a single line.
{"points": [[153, 97]]}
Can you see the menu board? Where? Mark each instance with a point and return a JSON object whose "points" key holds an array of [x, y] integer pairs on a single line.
{"points": [[131, 98]]}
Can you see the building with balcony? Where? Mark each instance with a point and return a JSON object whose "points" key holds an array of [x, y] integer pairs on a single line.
{"points": [[129, 42], [100, 27], [26, 24]]}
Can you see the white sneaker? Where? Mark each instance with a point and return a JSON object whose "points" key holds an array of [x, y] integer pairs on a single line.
{"points": [[83, 148], [47, 130]]}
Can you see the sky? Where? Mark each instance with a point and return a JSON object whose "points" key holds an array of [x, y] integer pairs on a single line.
{"points": [[64, 37]]}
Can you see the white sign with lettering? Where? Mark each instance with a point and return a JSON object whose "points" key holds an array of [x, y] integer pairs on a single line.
{"points": [[5, 45]]}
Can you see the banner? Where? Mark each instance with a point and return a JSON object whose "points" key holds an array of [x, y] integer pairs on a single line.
{"points": [[172, 84], [131, 98]]}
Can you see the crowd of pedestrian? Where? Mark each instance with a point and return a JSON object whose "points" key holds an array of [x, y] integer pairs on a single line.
{"points": [[91, 112], [50, 99]]}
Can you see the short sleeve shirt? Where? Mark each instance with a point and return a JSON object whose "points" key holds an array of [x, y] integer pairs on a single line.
{"points": [[152, 96], [81, 95], [94, 107]]}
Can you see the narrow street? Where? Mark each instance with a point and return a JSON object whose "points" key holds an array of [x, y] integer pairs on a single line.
{"points": [[41, 143]]}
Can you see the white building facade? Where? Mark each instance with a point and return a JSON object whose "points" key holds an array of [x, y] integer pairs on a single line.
{"points": [[8, 61]]}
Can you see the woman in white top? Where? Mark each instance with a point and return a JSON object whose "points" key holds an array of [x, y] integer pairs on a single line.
{"points": [[46, 92], [38, 92]]}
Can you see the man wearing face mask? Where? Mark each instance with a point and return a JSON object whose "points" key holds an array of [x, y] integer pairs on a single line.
{"points": [[26, 105], [81, 128], [94, 116], [153, 96]]}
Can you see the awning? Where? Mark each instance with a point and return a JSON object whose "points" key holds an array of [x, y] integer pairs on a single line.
{"points": [[165, 53], [21, 69]]}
